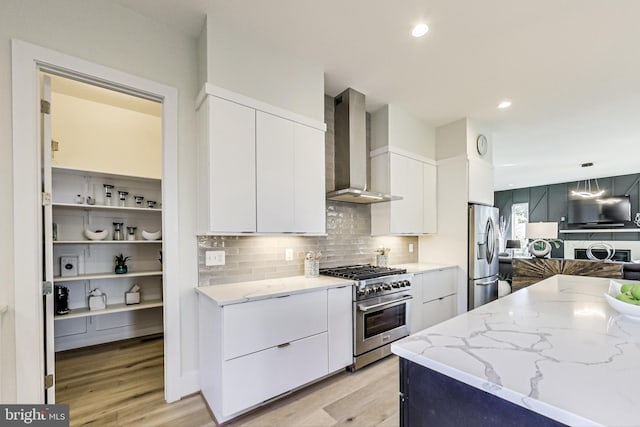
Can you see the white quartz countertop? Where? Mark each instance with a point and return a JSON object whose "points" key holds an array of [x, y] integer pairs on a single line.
{"points": [[555, 347], [233, 293], [422, 267]]}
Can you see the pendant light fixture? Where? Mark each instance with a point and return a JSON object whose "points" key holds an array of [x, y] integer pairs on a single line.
{"points": [[587, 193]]}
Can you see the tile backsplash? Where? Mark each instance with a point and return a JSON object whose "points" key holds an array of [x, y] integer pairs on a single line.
{"points": [[348, 241]]}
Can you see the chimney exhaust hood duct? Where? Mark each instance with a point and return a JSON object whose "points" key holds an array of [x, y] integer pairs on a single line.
{"points": [[351, 152]]}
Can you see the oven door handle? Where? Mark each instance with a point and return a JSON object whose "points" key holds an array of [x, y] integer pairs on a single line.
{"points": [[365, 308]]}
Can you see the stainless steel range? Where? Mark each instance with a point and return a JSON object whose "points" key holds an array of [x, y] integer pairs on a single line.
{"points": [[381, 309]]}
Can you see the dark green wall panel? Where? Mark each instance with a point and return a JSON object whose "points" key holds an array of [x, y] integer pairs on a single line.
{"points": [[549, 203]]}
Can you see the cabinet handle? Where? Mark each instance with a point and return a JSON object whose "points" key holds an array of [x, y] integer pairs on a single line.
{"points": [[287, 344]]}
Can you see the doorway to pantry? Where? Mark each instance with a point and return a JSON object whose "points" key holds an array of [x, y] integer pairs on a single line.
{"points": [[102, 177], [28, 61]]}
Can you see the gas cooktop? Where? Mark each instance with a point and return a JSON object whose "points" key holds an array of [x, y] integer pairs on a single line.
{"points": [[361, 272]]}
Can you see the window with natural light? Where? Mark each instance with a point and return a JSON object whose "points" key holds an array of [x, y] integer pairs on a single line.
{"points": [[519, 220]]}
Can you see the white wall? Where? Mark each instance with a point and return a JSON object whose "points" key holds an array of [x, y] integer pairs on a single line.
{"points": [[108, 34], [449, 244], [391, 125], [451, 139], [243, 63], [128, 142]]}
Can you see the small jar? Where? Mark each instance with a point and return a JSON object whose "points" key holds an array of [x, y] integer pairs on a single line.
{"points": [[122, 196], [108, 199], [131, 233], [117, 231]]}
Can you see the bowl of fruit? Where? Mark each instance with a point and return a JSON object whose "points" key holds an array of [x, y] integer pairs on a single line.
{"points": [[624, 298]]}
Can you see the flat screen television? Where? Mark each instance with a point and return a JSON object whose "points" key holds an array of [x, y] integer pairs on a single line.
{"points": [[603, 210]]}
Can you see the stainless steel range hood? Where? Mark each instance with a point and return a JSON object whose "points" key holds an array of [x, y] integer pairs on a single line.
{"points": [[351, 152]]}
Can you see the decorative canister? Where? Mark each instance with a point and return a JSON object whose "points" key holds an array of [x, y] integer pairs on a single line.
{"points": [[382, 260], [311, 268]]}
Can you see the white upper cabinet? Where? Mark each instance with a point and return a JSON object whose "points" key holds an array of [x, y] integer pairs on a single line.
{"points": [[274, 167], [261, 168], [228, 174], [415, 181], [290, 176], [401, 165], [309, 179]]}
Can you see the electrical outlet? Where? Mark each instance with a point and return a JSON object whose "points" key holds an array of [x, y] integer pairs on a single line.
{"points": [[410, 248], [288, 254], [214, 258]]}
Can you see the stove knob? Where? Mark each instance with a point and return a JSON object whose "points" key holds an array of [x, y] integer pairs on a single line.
{"points": [[386, 286], [377, 288], [407, 283], [403, 283], [361, 292], [395, 285]]}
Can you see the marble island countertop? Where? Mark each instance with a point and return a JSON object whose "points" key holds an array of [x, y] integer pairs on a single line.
{"points": [[555, 348], [233, 293]]}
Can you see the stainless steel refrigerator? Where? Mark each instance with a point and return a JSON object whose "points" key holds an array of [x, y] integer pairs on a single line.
{"points": [[483, 255]]}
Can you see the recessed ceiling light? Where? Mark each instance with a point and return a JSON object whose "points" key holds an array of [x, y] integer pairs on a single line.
{"points": [[504, 104], [420, 30]]}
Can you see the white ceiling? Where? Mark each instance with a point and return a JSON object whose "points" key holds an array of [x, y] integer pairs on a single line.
{"points": [[570, 67]]}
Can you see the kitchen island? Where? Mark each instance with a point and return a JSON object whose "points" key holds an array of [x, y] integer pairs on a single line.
{"points": [[554, 353]]}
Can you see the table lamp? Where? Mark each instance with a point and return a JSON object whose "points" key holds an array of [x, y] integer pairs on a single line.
{"points": [[538, 232]]}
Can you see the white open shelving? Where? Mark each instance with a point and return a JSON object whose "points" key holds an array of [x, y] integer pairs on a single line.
{"points": [[98, 276], [95, 257], [111, 308]]}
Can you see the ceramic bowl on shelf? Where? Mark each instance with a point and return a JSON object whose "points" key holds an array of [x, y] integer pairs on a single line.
{"points": [[621, 307], [95, 235], [148, 235]]}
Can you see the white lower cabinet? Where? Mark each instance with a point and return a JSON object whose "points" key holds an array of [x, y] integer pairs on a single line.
{"points": [[434, 298], [340, 327], [254, 378], [257, 325], [254, 351], [438, 310]]}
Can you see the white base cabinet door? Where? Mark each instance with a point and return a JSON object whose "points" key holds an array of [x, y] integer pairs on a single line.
{"points": [[439, 310], [257, 325], [435, 298], [252, 379], [340, 327]]}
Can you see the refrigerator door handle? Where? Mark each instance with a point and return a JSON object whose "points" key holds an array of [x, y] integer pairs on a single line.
{"points": [[490, 246]]}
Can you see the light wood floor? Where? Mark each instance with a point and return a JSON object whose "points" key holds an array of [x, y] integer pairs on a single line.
{"points": [[121, 384]]}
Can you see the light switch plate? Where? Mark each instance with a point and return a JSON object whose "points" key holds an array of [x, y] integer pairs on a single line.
{"points": [[288, 254], [410, 248], [212, 258]]}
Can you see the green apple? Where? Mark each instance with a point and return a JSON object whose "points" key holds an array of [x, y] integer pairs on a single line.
{"points": [[626, 288], [635, 292]]}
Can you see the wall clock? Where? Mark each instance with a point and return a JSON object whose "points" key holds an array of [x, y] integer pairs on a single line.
{"points": [[482, 145]]}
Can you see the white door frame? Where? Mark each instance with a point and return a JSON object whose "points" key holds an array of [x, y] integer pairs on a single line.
{"points": [[27, 210]]}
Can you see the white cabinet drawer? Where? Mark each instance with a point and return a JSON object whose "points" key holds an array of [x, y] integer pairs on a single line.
{"points": [[258, 325], [439, 310], [437, 284], [252, 379]]}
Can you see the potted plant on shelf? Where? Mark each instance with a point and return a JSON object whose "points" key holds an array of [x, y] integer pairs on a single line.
{"points": [[121, 263]]}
